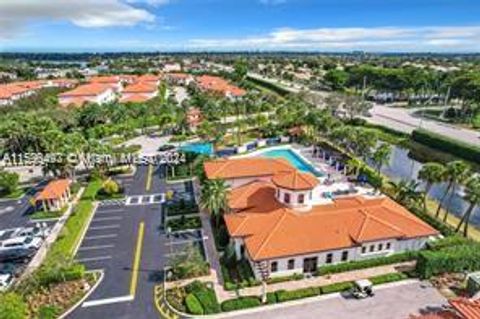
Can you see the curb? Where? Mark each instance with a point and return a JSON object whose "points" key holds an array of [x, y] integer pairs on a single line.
{"points": [[92, 289], [85, 229]]}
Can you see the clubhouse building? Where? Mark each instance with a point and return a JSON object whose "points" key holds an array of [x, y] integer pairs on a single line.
{"points": [[279, 222]]}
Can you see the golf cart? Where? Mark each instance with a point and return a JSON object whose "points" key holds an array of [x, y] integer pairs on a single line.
{"points": [[362, 289]]}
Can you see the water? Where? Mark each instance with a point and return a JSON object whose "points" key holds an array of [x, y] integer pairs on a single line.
{"points": [[199, 148], [401, 166], [294, 159]]}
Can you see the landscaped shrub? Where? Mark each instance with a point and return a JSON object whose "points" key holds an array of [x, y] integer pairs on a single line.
{"points": [[383, 279], [208, 300], [367, 263], [338, 287], [193, 305], [447, 242], [461, 149], [452, 259], [271, 298], [283, 295], [241, 303], [275, 280], [184, 223]]}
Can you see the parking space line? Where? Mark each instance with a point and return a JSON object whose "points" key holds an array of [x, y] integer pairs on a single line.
{"points": [[99, 302], [111, 211], [96, 247], [136, 260], [148, 184], [83, 260], [101, 236], [107, 218], [104, 227]]}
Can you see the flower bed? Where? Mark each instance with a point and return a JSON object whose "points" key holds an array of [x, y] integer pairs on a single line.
{"points": [[181, 207], [184, 223]]}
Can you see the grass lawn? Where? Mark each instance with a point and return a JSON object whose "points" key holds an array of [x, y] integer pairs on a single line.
{"points": [[71, 232], [19, 192], [48, 215]]}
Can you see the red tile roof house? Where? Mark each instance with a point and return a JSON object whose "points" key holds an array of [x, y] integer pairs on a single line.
{"points": [[115, 81], [55, 195], [219, 85], [275, 223], [139, 92], [88, 93]]}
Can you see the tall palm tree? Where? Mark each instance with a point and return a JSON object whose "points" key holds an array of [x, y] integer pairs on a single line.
{"points": [[472, 195], [381, 156], [405, 192], [214, 198], [459, 174], [454, 171], [431, 174]]}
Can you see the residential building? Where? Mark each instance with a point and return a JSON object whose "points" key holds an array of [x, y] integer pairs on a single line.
{"points": [[220, 86], [194, 118], [280, 223], [55, 195], [88, 93], [179, 78], [139, 92], [114, 81]]}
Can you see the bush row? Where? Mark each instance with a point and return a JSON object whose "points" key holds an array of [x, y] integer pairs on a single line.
{"points": [[283, 295], [461, 149], [201, 299], [269, 85], [451, 259], [367, 263]]}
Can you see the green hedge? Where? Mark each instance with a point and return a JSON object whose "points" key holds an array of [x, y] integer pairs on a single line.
{"points": [[276, 280], [383, 279], [461, 149], [271, 298], [241, 303], [338, 287], [367, 263], [205, 296], [271, 86], [452, 259], [193, 305], [451, 241], [283, 295]]}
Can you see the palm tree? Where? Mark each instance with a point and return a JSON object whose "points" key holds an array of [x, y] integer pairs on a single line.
{"points": [[459, 174], [405, 192], [431, 174], [472, 195], [454, 171], [214, 198], [381, 156], [355, 165]]}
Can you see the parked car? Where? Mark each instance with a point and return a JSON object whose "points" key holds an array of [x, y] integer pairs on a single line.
{"points": [[362, 289], [5, 281]]}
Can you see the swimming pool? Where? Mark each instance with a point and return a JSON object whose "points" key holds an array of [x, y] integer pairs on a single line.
{"points": [[294, 159], [199, 148]]}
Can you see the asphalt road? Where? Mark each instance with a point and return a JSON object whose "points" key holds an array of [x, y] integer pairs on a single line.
{"points": [[401, 119], [111, 244], [395, 302]]}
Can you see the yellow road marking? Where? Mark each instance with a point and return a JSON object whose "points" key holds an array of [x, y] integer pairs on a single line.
{"points": [[149, 178], [136, 260]]}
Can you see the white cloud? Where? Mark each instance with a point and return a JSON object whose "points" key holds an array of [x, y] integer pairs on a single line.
{"points": [[15, 14], [433, 38]]}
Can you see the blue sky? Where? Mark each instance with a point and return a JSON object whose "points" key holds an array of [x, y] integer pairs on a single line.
{"points": [[304, 25]]}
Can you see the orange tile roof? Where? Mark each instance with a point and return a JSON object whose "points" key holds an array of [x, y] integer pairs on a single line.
{"points": [[148, 78], [437, 315], [76, 101], [179, 76], [113, 79], [295, 180], [141, 87], [469, 309], [271, 230], [135, 98], [54, 189], [91, 89], [245, 167], [218, 84]]}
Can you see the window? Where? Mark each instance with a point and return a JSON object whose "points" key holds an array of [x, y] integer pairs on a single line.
{"points": [[274, 266], [364, 249], [389, 245], [329, 258], [291, 264], [380, 247], [286, 198], [372, 248], [345, 255], [301, 199]]}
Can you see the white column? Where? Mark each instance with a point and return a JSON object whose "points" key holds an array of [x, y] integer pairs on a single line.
{"points": [[238, 249]]}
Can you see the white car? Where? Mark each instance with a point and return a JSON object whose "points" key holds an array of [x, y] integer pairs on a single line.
{"points": [[5, 281], [21, 242]]}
